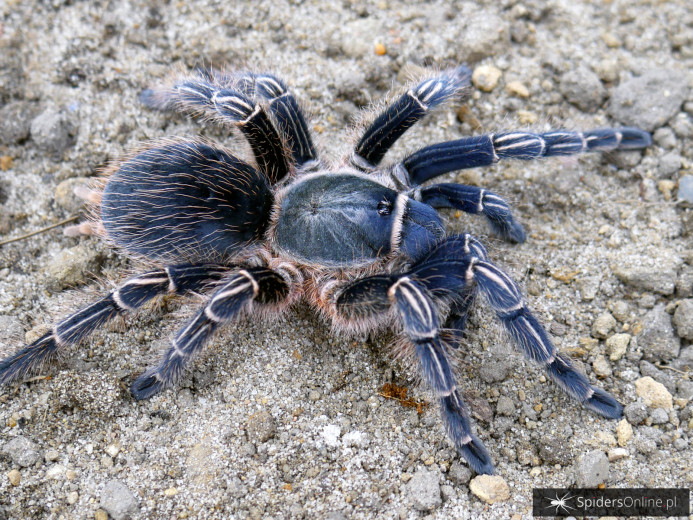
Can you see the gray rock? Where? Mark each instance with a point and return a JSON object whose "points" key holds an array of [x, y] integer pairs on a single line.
{"points": [[682, 126], [592, 469], [603, 325], [485, 34], [65, 194], [669, 164], [685, 389], [495, 371], [665, 137], [15, 122], [659, 416], [72, 267], [261, 427], [662, 281], [52, 132], [685, 360], [22, 451], [12, 329], [636, 412], [684, 282], [424, 490], [582, 88], [683, 319], [640, 101], [459, 474], [657, 339], [554, 451], [118, 501], [505, 406], [686, 189]]}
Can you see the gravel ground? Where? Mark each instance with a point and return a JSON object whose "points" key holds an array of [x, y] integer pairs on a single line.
{"points": [[282, 419]]}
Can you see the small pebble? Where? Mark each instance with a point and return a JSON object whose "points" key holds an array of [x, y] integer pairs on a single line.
{"points": [[330, 435], [601, 366], [659, 416], [22, 451], [100, 514], [505, 406], [617, 454], [74, 266], [51, 455], [686, 189], [653, 393], [261, 427], [636, 412], [657, 339], [517, 88], [72, 497], [53, 132], [603, 325], [486, 77], [170, 492], [113, 450], [683, 319], [14, 476], [424, 490], [490, 488], [459, 474], [118, 501], [55, 472], [592, 469], [624, 432], [669, 164], [583, 88], [380, 49], [617, 345], [664, 137]]}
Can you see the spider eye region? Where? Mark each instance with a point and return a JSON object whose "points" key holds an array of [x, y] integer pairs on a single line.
{"points": [[385, 207]]}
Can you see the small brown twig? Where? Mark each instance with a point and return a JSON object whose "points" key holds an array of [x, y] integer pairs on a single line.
{"points": [[39, 231]]}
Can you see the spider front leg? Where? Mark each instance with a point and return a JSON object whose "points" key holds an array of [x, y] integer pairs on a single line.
{"points": [[403, 113], [449, 268], [233, 298], [283, 106], [199, 96], [131, 295], [369, 297]]}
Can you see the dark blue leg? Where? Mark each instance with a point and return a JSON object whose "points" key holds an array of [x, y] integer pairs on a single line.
{"points": [[404, 113], [285, 109], [484, 150], [231, 300], [134, 293], [363, 298], [198, 96], [471, 199], [436, 274]]}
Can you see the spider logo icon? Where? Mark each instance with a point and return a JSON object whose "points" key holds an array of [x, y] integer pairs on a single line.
{"points": [[560, 502]]}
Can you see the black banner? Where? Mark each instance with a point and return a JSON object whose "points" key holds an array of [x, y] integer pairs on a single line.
{"points": [[633, 502]]}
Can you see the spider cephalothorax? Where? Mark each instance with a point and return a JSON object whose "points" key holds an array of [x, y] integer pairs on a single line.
{"points": [[362, 244]]}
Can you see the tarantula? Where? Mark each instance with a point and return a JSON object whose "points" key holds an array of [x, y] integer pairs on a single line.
{"points": [[361, 243]]}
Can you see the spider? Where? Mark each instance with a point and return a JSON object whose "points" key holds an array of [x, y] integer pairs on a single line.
{"points": [[361, 243]]}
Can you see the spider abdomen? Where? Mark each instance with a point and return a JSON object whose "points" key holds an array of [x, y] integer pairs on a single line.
{"points": [[185, 200]]}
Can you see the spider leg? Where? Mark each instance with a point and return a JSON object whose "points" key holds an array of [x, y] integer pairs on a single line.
{"points": [[198, 96], [283, 106], [232, 299], [471, 199], [403, 113], [443, 269], [132, 294], [483, 150], [414, 304]]}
